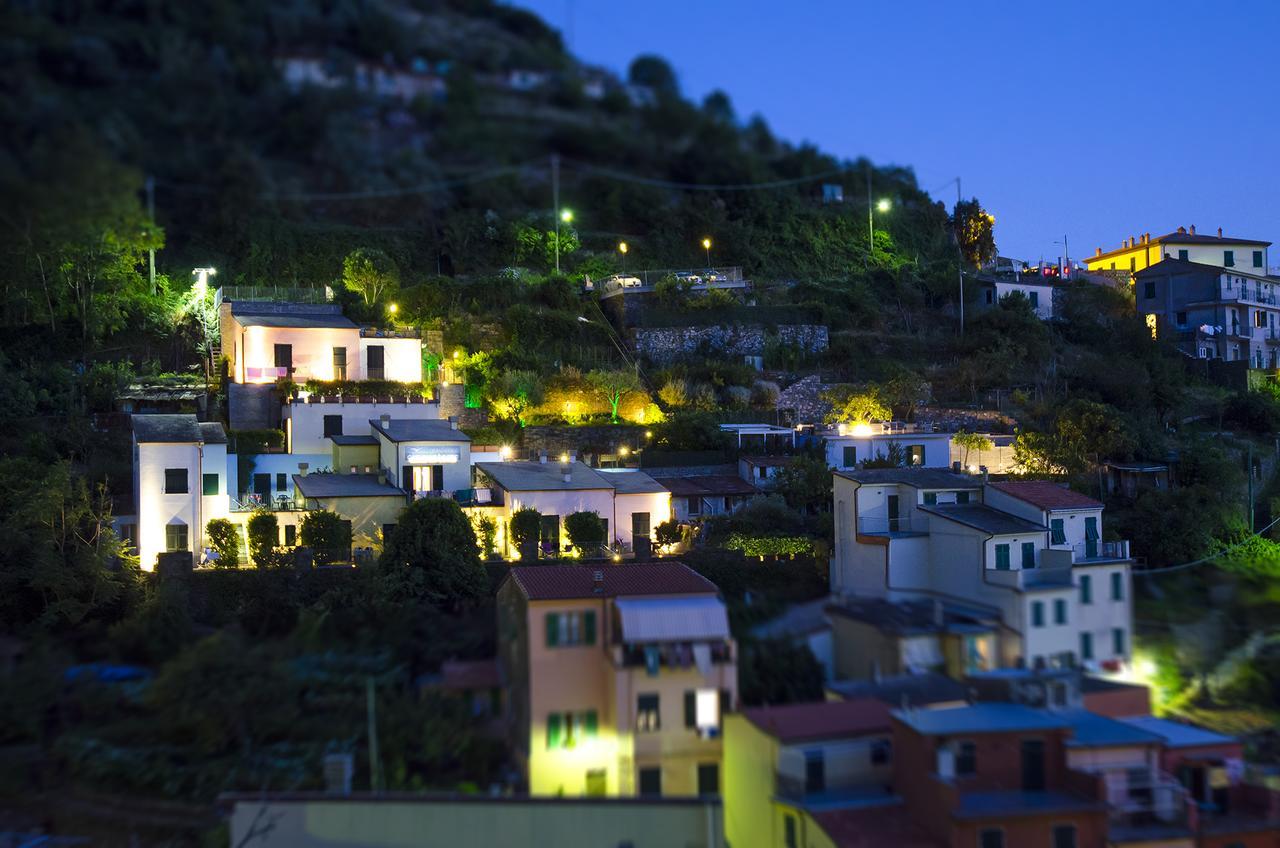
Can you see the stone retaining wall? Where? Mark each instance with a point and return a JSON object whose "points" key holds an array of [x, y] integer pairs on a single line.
{"points": [[667, 344]]}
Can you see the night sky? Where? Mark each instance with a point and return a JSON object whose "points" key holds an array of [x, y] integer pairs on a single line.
{"points": [[1096, 121]]}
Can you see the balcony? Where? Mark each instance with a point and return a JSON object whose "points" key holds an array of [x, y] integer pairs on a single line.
{"points": [[672, 656], [389, 333], [916, 525], [845, 789], [251, 502], [1096, 550], [465, 497], [1245, 294]]}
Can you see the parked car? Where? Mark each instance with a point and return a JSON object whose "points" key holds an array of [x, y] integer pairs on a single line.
{"points": [[627, 282]]}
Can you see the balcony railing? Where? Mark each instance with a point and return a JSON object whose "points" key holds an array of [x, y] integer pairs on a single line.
{"points": [[799, 790], [1245, 295], [250, 502], [480, 496], [390, 333], [1098, 549], [671, 655], [884, 526]]}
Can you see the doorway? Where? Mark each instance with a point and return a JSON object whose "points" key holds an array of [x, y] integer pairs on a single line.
{"points": [[1033, 765], [894, 522]]}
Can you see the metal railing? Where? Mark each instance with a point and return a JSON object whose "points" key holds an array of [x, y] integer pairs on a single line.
{"points": [[250, 502], [1098, 549], [272, 294], [876, 526], [370, 332]]}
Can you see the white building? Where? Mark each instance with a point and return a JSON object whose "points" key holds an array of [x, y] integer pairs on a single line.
{"points": [[1031, 550], [427, 457], [1037, 290], [848, 446], [179, 483], [310, 421], [631, 503]]}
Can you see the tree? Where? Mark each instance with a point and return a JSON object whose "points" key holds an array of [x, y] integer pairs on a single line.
{"points": [[525, 528], [434, 555], [805, 484], [370, 273], [668, 534], [487, 533], [264, 534], [655, 73], [327, 535], [970, 442], [857, 405], [975, 232], [613, 386], [512, 393], [586, 531], [223, 538]]}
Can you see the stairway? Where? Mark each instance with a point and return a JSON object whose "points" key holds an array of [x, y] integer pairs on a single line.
{"points": [[242, 544]]}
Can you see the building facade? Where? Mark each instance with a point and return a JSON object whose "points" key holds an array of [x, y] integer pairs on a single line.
{"points": [[1138, 253]]}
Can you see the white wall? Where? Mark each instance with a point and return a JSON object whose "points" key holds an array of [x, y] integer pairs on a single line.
{"points": [[304, 422], [214, 461], [599, 501], [1052, 639], [281, 463], [937, 447], [1105, 614], [402, 359], [156, 510], [1043, 296], [657, 504], [396, 455], [312, 352]]}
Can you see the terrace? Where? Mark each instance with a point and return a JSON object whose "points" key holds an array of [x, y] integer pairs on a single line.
{"points": [[645, 282]]}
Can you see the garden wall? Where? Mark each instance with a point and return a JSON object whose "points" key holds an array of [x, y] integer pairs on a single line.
{"points": [[667, 344]]}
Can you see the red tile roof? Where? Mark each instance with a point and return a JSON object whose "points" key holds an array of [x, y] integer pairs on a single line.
{"points": [[873, 827], [1046, 495], [564, 582], [821, 720]]}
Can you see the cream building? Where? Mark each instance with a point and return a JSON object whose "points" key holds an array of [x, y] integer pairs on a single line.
{"points": [[618, 675], [1140, 252]]}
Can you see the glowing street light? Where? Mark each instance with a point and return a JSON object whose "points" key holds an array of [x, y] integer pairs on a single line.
{"points": [[202, 277], [706, 245], [883, 205], [393, 308], [567, 216], [622, 248]]}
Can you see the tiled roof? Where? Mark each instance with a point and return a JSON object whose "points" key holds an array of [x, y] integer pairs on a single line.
{"points": [[568, 582], [712, 484], [212, 433], [1045, 494], [632, 482], [543, 476], [821, 720], [910, 690], [915, 616], [173, 429], [984, 518], [354, 439], [920, 478]]}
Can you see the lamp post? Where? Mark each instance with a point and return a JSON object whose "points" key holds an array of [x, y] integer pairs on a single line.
{"points": [[622, 248], [565, 215], [202, 277], [882, 205], [706, 245]]}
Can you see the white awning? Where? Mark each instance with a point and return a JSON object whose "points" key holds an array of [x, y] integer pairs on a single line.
{"points": [[672, 619]]}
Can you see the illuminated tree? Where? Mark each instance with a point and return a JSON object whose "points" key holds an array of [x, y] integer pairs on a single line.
{"points": [[975, 232], [512, 393], [971, 442], [857, 405], [613, 386], [370, 273]]}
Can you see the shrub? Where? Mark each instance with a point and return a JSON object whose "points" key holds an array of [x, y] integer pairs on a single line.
{"points": [[526, 526], [433, 554], [753, 545], [668, 533], [222, 538], [737, 397], [764, 394], [487, 531], [328, 536], [264, 534], [674, 393], [585, 531]]}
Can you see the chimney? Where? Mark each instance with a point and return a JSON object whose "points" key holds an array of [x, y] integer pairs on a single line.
{"points": [[597, 582], [453, 422], [1097, 252], [385, 420], [1148, 238], [573, 456], [1182, 231], [1192, 231], [567, 476], [542, 457], [302, 468], [1125, 244], [1219, 232]]}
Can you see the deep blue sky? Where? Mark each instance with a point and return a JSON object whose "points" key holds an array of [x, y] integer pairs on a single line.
{"points": [[1094, 120]]}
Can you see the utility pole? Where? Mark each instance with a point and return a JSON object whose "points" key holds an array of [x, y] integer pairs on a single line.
{"points": [[1249, 470], [1066, 260], [151, 214], [555, 202], [371, 712], [871, 224], [960, 252]]}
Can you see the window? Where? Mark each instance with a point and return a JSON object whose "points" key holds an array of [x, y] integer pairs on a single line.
{"points": [[1028, 554], [850, 458], [282, 482], [1117, 640], [1149, 291], [566, 629], [209, 484], [648, 716], [1086, 589], [1086, 646], [565, 730], [376, 368], [1037, 613], [880, 751], [1183, 255], [1257, 259], [339, 363], [332, 425], [966, 758], [962, 497], [708, 779], [690, 708], [790, 839], [991, 837], [915, 454], [651, 781], [1058, 532], [175, 538], [1064, 836], [930, 498], [1228, 258], [175, 481], [815, 771], [1059, 611], [1002, 557], [284, 356], [1117, 586], [695, 506], [639, 524], [1259, 318], [290, 535], [1181, 318], [1035, 299]]}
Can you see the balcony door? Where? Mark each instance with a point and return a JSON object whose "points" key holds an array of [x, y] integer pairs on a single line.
{"points": [[1091, 536], [894, 521], [339, 363], [377, 369], [284, 358]]}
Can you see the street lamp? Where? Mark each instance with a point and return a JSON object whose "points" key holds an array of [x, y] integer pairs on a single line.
{"points": [[565, 215], [202, 277], [883, 205], [706, 245], [622, 248], [393, 308]]}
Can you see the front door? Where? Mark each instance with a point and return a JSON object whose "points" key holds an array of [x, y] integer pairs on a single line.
{"points": [[377, 363], [1032, 765], [284, 359], [428, 478], [893, 514], [639, 524]]}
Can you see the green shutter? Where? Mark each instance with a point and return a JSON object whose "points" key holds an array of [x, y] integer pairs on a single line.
{"points": [[591, 724], [589, 628], [1037, 614], [1086, 646], [1117, 587], [930, 498], [553, 731], [1028, 554], [1002, 557], [1059, 533], [1086, 589], [1117, 640], [690, 708], [553, 630]]}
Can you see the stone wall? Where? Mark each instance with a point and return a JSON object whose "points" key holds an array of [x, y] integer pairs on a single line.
{"points": [[253, 406], [803, 400], [589, 442], [668, 344]]}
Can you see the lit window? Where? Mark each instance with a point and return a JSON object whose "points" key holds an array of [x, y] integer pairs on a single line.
{"points": [[570, 628], [648, 715]]}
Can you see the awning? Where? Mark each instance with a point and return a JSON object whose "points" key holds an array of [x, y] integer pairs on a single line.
{"points": [[672, 619]]}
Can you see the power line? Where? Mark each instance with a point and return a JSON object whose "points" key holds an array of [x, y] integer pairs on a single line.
{"points": [[1195, 562]]}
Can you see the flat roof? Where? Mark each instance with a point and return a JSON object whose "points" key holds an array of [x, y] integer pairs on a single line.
{"points": [[821, 720], [764, 428], [354, 439], [419, 430], [632, 482], [544, 476], [993, 717], [327, 485], [768, 461], [172, 429], [920, 478], [1178, 734], [1091, 730], [579, 582], [295, 320], [984, 518], [911, 690]]}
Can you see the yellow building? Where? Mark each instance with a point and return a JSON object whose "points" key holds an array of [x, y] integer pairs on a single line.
{"points": [[1140, 252], [618, 676], [793, 775], [367, 502]]}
